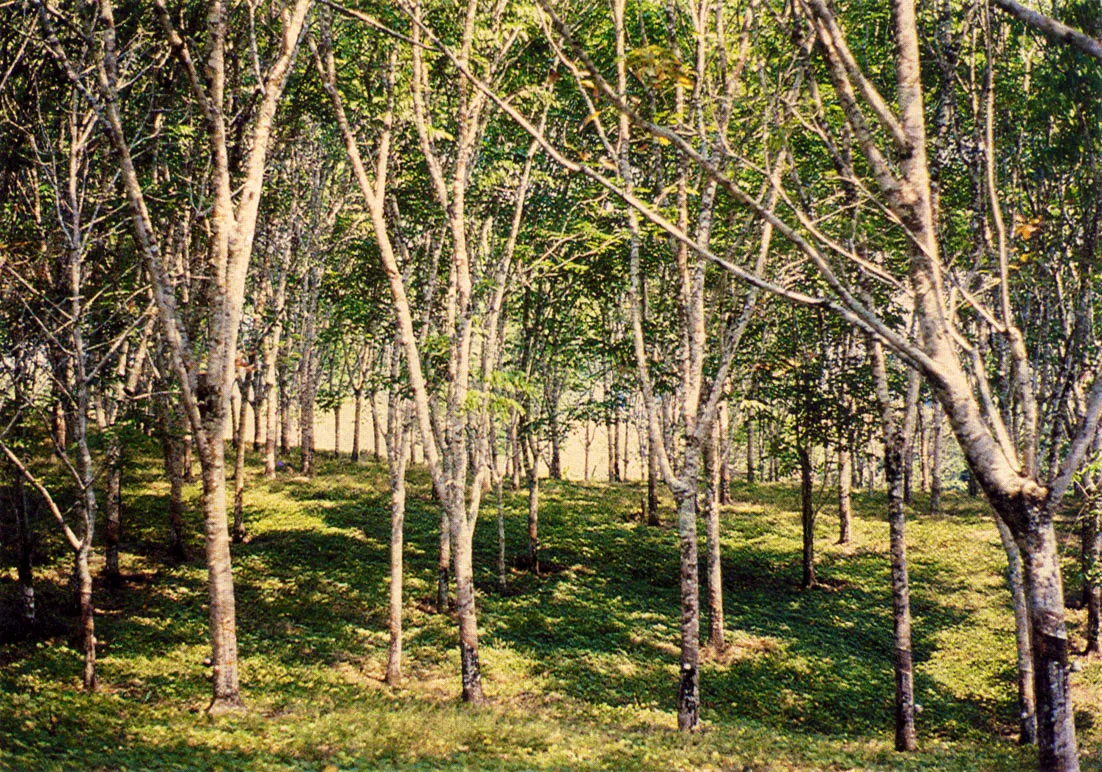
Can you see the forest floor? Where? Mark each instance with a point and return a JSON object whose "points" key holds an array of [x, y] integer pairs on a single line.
{"points": [[580, 664]]}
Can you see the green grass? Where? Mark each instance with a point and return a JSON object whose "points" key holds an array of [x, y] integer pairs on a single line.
{"points": [[581, 665]]}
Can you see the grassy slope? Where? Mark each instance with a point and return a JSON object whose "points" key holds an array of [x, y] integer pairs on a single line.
{"points": [[581, 664]]}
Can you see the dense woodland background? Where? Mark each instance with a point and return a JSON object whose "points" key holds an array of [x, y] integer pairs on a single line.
{"points": [[779, 318]]}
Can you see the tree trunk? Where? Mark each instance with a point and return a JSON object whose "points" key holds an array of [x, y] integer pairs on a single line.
{"points": [[443, 564], [337, 431], [223, 614], [531, 465], [935, 460], [306, 425], [239, 481], [1027, 705], [688, 693], [710, 498], [807, 516], [652, 484], [259, 413], [111, 506], [1092, 585], [613, 464], [465, 609], [905, 739], [498, 488], [1045, 594], [724, 452], [25, 567], [396, 452], [750, 450], [376, 429], [845, 498], [357, 416], [87, 616]]}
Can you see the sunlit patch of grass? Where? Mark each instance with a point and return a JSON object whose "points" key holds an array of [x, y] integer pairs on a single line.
{"points": [[581, 663]]}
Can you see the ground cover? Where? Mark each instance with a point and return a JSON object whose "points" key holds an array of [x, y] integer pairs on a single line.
{"points": [[580, 662]]}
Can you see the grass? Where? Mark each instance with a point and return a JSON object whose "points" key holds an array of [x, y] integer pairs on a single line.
{"points": [[581, 664]]}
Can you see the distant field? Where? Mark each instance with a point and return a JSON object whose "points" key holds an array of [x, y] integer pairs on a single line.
{"points": [[580, 664]]}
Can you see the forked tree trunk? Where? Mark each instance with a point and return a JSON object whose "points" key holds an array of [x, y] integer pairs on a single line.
{"points": [[1045, 595], [1027, 705], [845, 495]]}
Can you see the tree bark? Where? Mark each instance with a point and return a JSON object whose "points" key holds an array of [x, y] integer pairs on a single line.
{"points": [[531, 467], [223, 614], [935, 460], [845, 495], [112, 506], [652, 484], [25, 566], [239, 478], [688, 693], [1027, 705], [357, 416], [750, 450], [905, 739], [87, 616], [710, 499], [807, 515], [1092, 584]]}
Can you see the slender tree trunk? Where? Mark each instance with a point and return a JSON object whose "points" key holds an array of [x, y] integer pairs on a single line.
{"points": [[905, 739], [443, 563], [845, 495], [724, 451], [531, 464], [1015, 580], [749, 450], [239, 481], [173, 458], [688, 693], [807, 515], [652, 484], [1092, 585], [259, 413], [935, 460], [357, 416], [498, 488], [87, 616], [112, 505], [612, 466], [284, 419], [397, 459], [397, 523], [306, 425], [710, 498], [337, 431], [25, 567], [376, 429]]}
